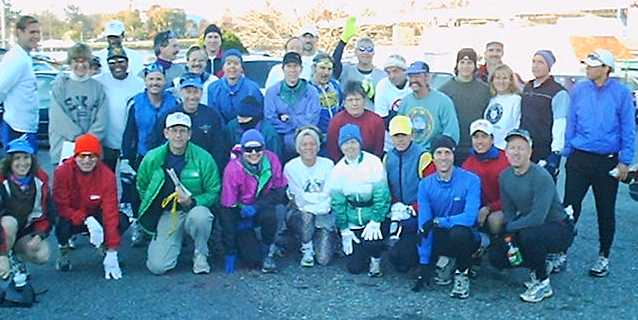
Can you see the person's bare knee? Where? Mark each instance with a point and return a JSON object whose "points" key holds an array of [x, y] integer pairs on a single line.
{"points": [[495, 222], [10, 226], [37, 252]]}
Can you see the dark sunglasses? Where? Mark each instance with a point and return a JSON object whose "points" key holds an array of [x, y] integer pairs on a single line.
{"points": [[366, 49], [153, 67], [253, 149]]}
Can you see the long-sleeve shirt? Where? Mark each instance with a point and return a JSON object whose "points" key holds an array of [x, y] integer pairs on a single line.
{"points": [[530, 199], [601, 120], [19, 91], [372, 133], [455, 203]]}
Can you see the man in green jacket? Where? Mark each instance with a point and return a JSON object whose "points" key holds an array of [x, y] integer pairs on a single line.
{"points": [[178, 183]]}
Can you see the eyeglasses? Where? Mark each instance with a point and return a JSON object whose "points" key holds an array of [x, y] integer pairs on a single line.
{"points": [[87, 155], [366, 49], [257, 149], [118, 61]]}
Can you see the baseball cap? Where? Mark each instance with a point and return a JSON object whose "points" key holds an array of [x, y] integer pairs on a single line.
{"points": [[481, 125], [20, 145], [400, 125], [312, 30], [600, 57], [190, 82], [395, 60], [178, 119], [115, 52], [519, 133], [417, 67], [291, 57], [114, 28]]}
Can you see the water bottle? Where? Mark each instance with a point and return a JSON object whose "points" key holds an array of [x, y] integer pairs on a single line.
{"points": [[513, 253]]}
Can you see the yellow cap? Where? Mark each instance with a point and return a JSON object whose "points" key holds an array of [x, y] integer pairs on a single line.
{"points": [[400, 125]]}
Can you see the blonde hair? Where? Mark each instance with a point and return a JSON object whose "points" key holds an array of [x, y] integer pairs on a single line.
{"points": [[513, 88], [79, 50]]}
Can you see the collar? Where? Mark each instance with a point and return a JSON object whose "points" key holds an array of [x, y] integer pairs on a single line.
{"points": [[491, 154], [164, 63], [359, 160]]}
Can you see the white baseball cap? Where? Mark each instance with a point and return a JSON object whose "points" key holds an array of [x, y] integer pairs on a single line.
{"points": [[178, 119], [481, 125], [114, 28], [600, 57]]}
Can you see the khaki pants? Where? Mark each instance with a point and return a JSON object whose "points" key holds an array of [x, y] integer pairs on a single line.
{"points": [[167, 243]]}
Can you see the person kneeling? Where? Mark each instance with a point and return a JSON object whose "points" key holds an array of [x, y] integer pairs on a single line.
{"points": [[449, 202], [360, 201], [84, 191], [253, 186], [24, 195], [178, 183], [535, 222]]}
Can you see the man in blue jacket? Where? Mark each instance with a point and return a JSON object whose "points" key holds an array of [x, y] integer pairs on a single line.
{"points": [[599, 138], [291, 103], [226, 94], [448, 202]]}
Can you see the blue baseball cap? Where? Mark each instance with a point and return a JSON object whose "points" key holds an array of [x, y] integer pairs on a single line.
{"points": [[417, 67], [20, 145], [191, 82]]}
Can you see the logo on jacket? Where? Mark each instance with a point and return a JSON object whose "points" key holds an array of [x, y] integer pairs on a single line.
{"points": [[422, 124], [494, 113]]}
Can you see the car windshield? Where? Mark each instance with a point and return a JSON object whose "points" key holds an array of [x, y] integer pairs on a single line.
{"points": [[258, 70], [45, 83]]}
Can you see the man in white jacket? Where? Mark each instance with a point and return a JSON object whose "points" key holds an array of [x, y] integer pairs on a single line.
{"points": [[18, 86], [310, 199]]}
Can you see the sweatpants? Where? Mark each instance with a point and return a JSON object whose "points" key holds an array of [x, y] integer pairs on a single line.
{"points": [[64, 229], [458, 242], [166, 245], [585, 169], [243, 241], [534, 243]]}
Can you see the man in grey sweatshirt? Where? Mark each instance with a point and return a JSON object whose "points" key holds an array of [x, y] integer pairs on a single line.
{"points": [[534, 217]]}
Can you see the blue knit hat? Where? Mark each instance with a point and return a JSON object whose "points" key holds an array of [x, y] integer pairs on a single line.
{"points": [[348, 132], [232, 53], [252, 138], [548, 56]]}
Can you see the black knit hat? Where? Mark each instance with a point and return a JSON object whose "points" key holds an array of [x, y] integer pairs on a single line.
{"points": [[442, 141], [212, 28]]}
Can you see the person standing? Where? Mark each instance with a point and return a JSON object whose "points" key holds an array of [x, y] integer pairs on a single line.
{"points": [[120, 87], [79, 105], [114, 32], [504, 108], [329, 89], [544, 108], [195, 68], [599, 138], [18, 86], [213, 44], [494, 51], [166, 49], [431, 111], [470, 97], [276, 72], [390, 91]]}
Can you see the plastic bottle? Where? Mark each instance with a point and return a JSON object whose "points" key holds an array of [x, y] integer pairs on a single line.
{"points": [[513, 253]]}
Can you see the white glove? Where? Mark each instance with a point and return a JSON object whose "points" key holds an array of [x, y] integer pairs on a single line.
{"points": [[400, 211], [372, 231], [112, 266], [96, 232], [125, 168], [542, 163], [347, 238]]}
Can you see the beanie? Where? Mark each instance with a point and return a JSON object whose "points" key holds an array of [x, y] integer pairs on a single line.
{"points": [[252, 138], [348, 132], [87, 143], [232, 53], [442, 141], [250, 107], [212, 28], [548, 56], [466, 52]]}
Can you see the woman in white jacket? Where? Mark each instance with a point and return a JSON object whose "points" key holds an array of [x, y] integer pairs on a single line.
{"points": [[504, 109], [309, 213]]}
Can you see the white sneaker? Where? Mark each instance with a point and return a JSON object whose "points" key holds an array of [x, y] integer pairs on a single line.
{"points": [[539, 291], [461, 288], [600, 268], [444, 268], [308, 259], [200, 264], [375, 268]]}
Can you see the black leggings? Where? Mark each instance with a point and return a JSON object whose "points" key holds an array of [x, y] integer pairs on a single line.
{"points": [[404, 254], [245, 242], [535, 243], [358, 261], [458, 242]]}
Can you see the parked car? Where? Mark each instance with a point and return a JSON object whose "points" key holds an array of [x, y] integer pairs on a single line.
{"points": [[257, 67], [45, 83]]}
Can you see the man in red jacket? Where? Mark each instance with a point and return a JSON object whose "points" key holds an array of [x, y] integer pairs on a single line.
{"points": [[84, 191], [487, 162]]}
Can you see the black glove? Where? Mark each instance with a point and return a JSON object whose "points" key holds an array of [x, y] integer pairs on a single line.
{"points": [[553, 163], [426, 271], [425, 228]]}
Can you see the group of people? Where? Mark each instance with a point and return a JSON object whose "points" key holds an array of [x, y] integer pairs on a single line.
{"points": [[374, 162]]}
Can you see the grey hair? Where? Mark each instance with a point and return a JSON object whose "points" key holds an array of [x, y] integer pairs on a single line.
{"points": [[307, 131]]}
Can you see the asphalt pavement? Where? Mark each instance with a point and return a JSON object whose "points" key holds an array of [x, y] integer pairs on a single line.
{"points": [[330, 292]]}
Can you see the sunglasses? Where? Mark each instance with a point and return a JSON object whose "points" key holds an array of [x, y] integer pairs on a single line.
{"points": [[253, 149], [366, 49], [117, 61], [153, 67]]}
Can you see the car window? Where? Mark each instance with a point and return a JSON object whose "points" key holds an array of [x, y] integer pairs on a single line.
{"points": [[258, 70], [437, 79], [45, 83]]}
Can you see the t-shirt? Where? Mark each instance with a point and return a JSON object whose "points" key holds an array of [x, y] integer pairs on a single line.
{"points": [[504, 112], [431, 115], [470, 99], [118, 93], [388, 97], [308, 184]]}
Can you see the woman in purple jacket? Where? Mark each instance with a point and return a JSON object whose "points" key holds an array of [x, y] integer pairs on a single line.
{"points": [[253, 185]]}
